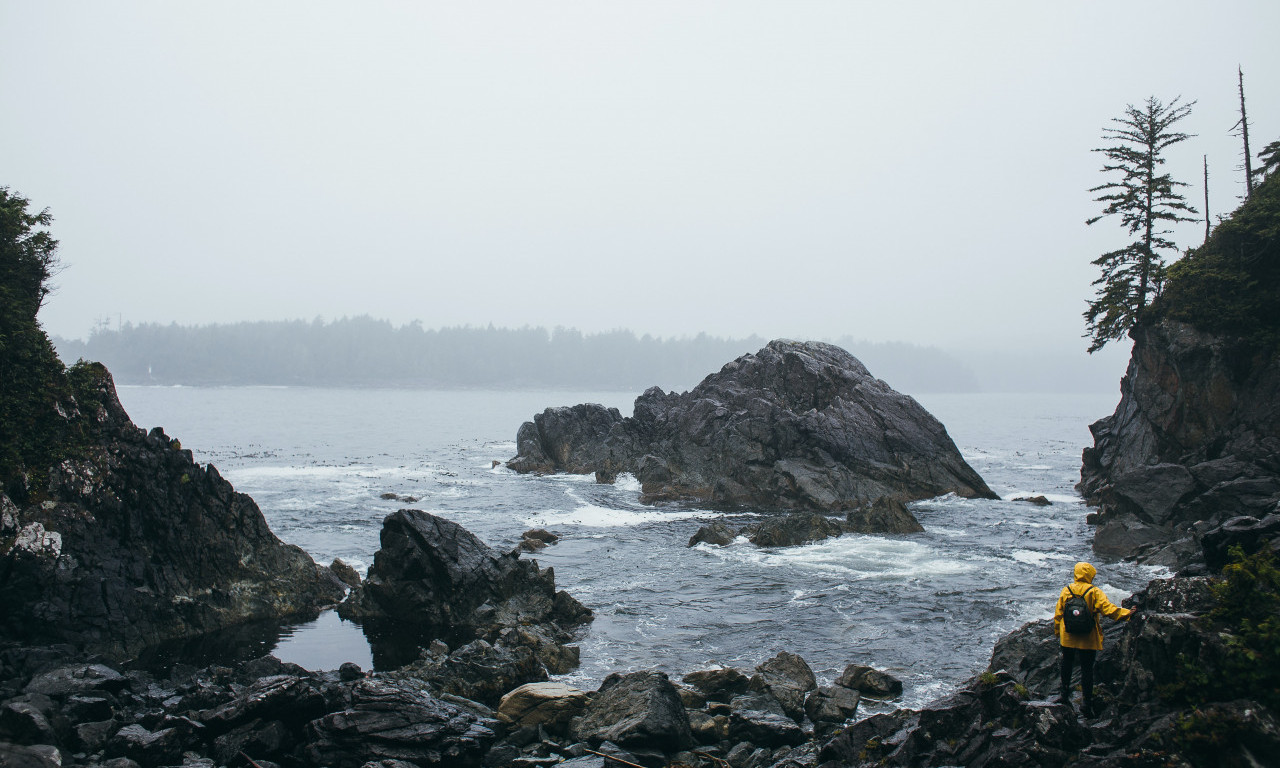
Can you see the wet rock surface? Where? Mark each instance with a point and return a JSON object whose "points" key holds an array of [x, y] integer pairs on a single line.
{"points": [[795, 426], [500, 614], [1194, 442], [71, 711], [136, 543]]}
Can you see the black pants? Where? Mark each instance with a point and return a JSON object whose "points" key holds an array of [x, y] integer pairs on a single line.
{"points": [[1069, 657]]}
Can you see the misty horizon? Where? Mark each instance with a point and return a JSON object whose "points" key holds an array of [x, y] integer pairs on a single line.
{"points": [[366, 351], [917, 174]]}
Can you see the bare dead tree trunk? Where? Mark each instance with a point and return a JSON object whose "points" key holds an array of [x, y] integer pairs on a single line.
{"points": [[1244, 131], [1206, 198]]}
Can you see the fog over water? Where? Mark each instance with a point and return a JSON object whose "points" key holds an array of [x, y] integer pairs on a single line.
{"points": [[890, 172]]}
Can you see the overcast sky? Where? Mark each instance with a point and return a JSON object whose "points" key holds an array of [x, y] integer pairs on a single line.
{"points": [[912, 172]]}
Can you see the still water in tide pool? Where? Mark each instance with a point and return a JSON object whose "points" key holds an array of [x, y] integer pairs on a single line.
{"points": [[926, 607]]}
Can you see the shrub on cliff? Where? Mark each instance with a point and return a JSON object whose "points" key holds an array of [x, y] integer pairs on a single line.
{"points": [[1247, 620], [39, 421], [1231, 284]]}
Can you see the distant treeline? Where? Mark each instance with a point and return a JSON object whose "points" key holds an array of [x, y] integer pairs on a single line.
{"points": [[363, 352]]}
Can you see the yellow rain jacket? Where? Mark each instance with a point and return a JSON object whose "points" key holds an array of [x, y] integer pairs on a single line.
{"points": [[1098, 603]]}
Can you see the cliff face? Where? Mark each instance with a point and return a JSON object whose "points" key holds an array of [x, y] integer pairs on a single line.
{"points": [[1194, 442], [126, 542]]}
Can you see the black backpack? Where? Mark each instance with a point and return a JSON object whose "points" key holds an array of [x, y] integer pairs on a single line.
{"points": [[1076, 615]]}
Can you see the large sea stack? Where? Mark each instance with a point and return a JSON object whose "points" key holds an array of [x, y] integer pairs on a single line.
{"points": [[795, 426]]}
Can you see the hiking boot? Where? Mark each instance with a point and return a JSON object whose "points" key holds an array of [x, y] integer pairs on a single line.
{"points": [[1087, 709], [1064, 697]]}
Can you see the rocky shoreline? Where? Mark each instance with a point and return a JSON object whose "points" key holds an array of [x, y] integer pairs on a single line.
{"points": [[469, 707], [130, 543]]}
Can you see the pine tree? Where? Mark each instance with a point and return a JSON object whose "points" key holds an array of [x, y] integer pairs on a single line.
{"points": [[1146, 201]]}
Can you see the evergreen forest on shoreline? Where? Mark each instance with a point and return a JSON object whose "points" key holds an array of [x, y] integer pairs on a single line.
{"points": [[366, 352]]}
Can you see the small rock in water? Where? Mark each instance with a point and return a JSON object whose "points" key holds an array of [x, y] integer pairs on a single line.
{"points": [[1039, 501]]}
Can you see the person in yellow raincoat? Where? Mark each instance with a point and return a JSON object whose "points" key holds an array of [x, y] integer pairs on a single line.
{"points": [[1083, 648]]}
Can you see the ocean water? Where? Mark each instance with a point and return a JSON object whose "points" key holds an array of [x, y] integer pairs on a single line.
{"points": [[926, 607]]}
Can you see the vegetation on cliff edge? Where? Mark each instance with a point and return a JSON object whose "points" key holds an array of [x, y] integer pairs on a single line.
{"points": [[1231, 284], [39, 412]]}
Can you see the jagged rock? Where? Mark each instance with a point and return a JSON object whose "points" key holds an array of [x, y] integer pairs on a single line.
{"points": [[760, 719], [480, 671], [831, 705], [433, 576], [395, 720], [798, 426], [640, 710], [870, 682], [146, 747], [26, 721], [566, 439], [1194, 439], [290, 697], [137, 543], [345, 573], [719, 684], [38, 756], [1248, 533], [551, 705], [884, 515], [788, 679]]}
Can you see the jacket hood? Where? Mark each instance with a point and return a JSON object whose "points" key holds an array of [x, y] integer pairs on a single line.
{"points": [[1085, 572]]}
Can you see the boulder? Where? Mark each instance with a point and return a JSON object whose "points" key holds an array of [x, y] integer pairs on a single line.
{"points": [[870, 682], [760, 719], [795, 426], [434, 577], [550, 705], [831, 705], [640, 710], [479, 671], [788, 679], [720, 684], [395, 720]]}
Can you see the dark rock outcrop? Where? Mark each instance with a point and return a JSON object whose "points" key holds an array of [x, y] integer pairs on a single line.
{"points": [[433, 574], [1158, 683], [434, 579], [135, 543], [1194, 442], [799, 426], [271, 712]]}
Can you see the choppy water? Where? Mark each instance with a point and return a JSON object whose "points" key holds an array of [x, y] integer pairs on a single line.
{"points": [[927, 607]]}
